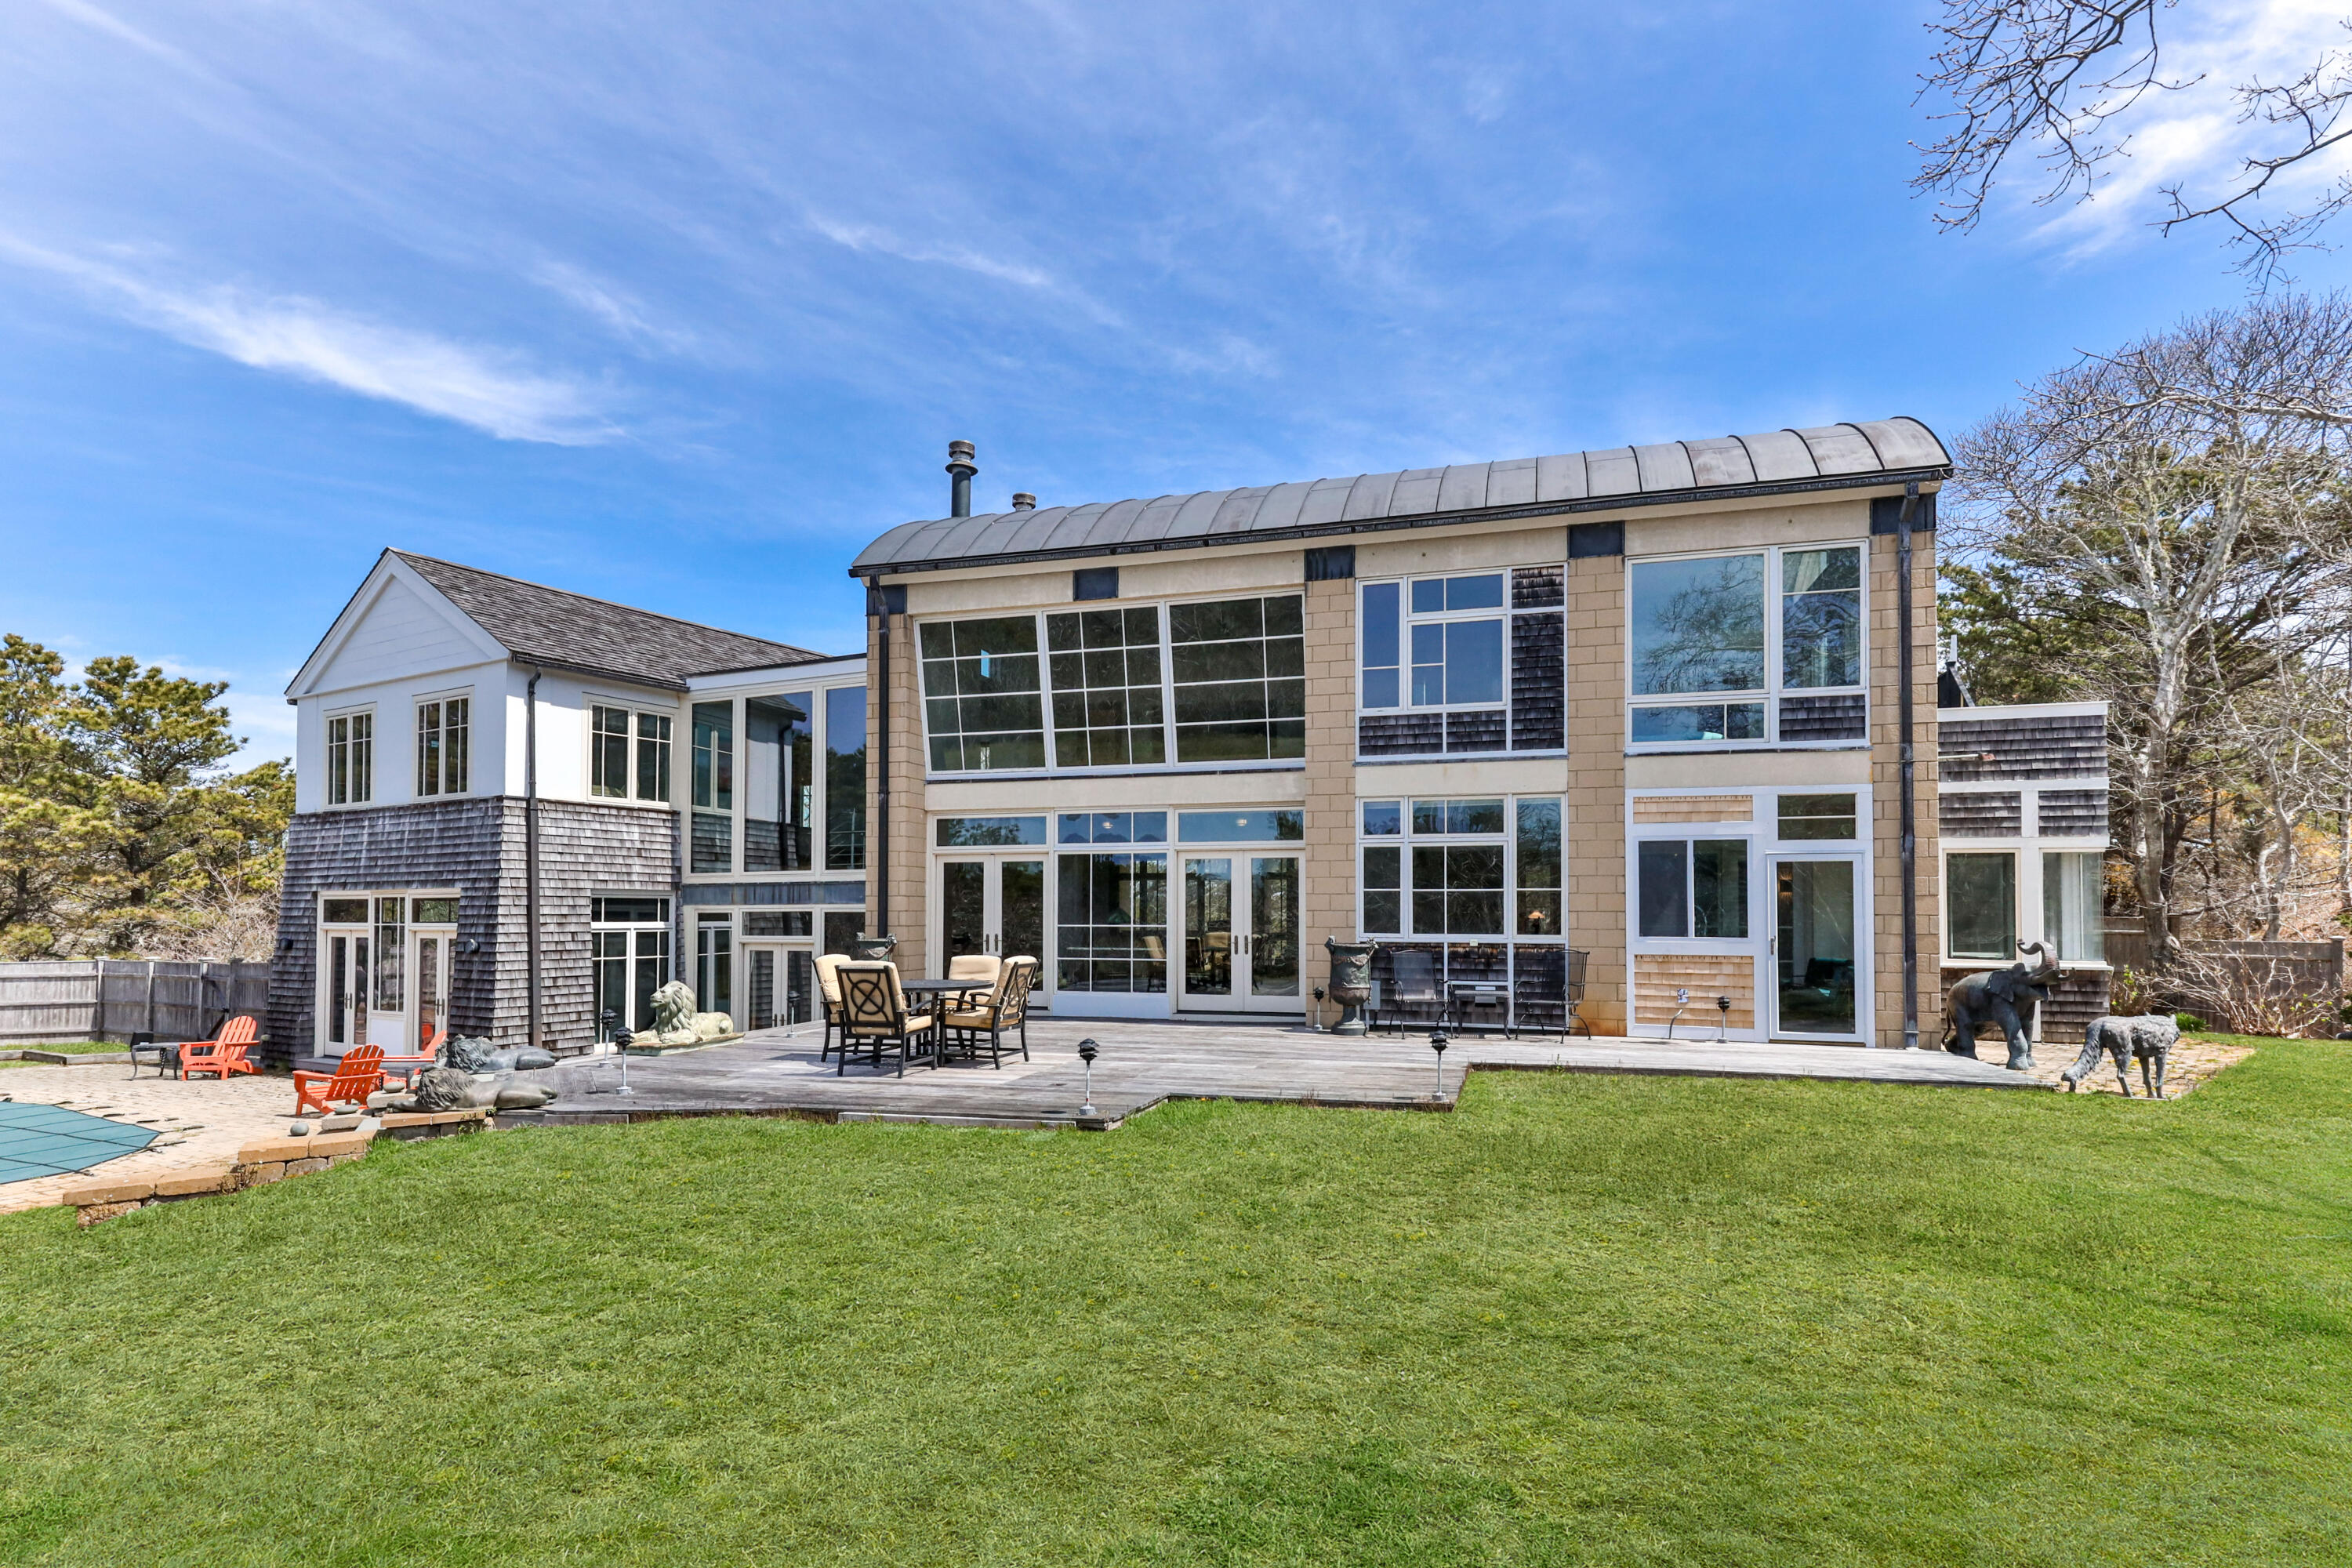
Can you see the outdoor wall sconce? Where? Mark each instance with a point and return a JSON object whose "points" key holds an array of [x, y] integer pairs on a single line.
{"points": [[1087, 1054], [470, 946], [1437, 1043]]}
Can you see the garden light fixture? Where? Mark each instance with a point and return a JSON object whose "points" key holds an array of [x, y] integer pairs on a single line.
{"points": [[1087, 1054], [1437, 1044]]}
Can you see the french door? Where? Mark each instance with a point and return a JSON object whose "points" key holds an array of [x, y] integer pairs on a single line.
{"points": [[1241, 930], [779, 984], [1818, 970], [430, 956], [346, 965], [993, 904]]}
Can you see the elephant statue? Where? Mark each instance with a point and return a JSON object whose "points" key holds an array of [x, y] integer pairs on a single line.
{"points": [[2002, 998]]}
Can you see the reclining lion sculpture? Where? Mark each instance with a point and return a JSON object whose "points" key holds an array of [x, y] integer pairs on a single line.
{"points": [[676, 1022]]}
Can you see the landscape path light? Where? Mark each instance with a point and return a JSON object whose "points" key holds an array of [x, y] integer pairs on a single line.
{"points": [[1723, 1018], [1437, 1044], [1087, 1054], [619, 1035]]}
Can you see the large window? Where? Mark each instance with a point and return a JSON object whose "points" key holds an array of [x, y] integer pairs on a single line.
{"points": [[779, 781], [1693, 887], [1112, 932], [351, 759], [2073, 906], [1453, 889], [714, 964], [1981, 905], [629, 941], [713, 828], [1104, 667], [614, 773], [1436, 642], [981, 694], [1713, 642], [844, 779], [1238, 670], [442, 729], [1539, 883]]}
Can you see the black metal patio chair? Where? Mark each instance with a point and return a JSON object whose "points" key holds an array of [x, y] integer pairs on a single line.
{"points": [[1006, 1008], [875, 1020]]}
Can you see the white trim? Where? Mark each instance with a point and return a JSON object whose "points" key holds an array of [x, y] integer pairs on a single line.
{"points": [[387, 569]]}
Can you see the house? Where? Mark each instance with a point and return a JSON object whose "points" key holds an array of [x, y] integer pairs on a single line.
{"points": [[1642, 705], [1630, 720], [519, 809]]}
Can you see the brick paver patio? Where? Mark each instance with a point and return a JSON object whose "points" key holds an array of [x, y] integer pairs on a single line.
{"points": [[203, 1123]]}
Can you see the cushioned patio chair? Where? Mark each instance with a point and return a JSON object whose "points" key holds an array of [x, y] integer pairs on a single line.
{"points": [[358, 1075], [224, 1053], [828, 986], [975, 966], [1007, 1007], [874, 1018]]}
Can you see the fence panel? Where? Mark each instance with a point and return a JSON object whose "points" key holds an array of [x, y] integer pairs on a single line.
{"points": [[56, 1002]]}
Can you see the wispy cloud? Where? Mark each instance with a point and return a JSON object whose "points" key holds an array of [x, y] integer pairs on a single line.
{"points": [[489, 389], [867, 236], [620, 313], [113, 26]]}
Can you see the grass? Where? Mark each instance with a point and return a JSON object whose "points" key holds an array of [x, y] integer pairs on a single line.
{"points": [[1581, 1320], [70, 1047]]}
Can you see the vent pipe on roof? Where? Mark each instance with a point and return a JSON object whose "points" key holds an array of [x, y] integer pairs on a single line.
{"points": [[1023, 501], [961, 467]]}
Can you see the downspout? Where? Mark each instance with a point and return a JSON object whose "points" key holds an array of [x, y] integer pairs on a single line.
{"points": [[879, 602], [530, 853], [1910, 806]]}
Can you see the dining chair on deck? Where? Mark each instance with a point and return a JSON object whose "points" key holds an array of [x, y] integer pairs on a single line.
{"points": [[975, 966], [828, 985], [1007, 1007], [874, 1018]]}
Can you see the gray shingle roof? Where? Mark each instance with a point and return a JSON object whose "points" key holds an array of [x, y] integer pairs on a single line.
{"points": [[596, 636], [1776, 462]]}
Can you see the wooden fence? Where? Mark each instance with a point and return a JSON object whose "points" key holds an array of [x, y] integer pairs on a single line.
{"points": [[113, 998], [2276, 985]]}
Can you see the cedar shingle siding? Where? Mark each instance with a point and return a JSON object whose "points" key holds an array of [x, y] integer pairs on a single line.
{"points": [[2070, 812], [2022, 747], [1829, 718], [1399, 734], [475, 847], [1980, 815]]}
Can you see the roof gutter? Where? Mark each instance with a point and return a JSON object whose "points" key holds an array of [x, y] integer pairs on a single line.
{"points": [[1910, 478]]}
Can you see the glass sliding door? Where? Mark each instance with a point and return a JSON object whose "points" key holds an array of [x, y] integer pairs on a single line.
{"points": [[1816, 957]]}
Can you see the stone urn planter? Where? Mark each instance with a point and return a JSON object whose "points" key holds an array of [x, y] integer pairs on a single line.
{"points": [[871, 949], [1352, 982]]}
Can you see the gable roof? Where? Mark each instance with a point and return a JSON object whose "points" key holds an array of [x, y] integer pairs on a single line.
{"points": [[1830, 457], [538, 625]]}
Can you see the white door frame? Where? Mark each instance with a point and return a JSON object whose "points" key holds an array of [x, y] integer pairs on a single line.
{"points": [[1864, 1007], [992, 941], [1241, 883]]}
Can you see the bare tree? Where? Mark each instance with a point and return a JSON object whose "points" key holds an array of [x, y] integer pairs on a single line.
{"points": [[2188, 490], [2064, 77]]}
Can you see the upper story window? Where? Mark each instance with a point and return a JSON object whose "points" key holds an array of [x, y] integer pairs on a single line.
{"points": [[1749, 649], [1434, 643], [844, 779], [612, 773], [779, 781], [1104, 665], [1222, 681], [981, 694], [442, 729], [712, 830], [351, 759]]}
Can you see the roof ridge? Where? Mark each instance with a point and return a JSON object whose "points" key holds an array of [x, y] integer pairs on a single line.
{"points": [[609, 603]]}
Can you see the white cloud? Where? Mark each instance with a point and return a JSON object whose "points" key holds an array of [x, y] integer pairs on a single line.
{"points": [[489, 389], [621, 314], [865, 237]]}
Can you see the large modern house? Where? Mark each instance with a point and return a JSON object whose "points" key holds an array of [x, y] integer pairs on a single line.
{"points": [[1636, 716]]}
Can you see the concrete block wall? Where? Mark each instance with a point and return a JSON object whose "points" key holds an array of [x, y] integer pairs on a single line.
{"points": [[1330, 907], [1594, 810], [1887, 789]]}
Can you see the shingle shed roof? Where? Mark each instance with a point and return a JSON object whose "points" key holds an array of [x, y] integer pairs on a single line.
{"points": [[1776, 462], [596, 636]]}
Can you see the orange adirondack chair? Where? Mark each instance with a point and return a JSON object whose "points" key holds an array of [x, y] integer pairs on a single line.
{"points": [[360, 1075], [406, 1068], [224, 1053]]}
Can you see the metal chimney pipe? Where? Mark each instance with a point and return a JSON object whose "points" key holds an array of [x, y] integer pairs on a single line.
{"points": [[961, 467], [1023, 501]]}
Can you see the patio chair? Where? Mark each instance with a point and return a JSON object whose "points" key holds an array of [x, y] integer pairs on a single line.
{"points": [[406, 1068], [1412, 983], [145, 1044], [1007, 1007], [360, 1075], [1575, 997], [221, 1055], [828, 985], [874, 1018], [975, 966]]}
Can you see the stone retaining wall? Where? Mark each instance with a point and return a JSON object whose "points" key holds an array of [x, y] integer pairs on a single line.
{"points": [[272, 1159]]}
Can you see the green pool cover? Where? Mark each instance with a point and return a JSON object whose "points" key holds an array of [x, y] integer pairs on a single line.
{"points": [[51, 1141]]}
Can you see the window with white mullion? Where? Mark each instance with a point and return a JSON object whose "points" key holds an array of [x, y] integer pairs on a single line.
{"points": [[1752, 648], [1434, 644]]}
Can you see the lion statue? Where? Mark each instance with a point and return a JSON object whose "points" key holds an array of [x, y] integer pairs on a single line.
{"points": [[676, 1022]]}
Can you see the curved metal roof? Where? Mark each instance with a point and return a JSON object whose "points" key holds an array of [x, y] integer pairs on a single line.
{"points": [[1775, 462]]}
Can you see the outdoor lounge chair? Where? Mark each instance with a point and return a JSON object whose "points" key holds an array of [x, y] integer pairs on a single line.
{"points": [[224, 1053], [874, 1018], [828, 985], [406, 1068], [1007, 1007], [359, 1074]]}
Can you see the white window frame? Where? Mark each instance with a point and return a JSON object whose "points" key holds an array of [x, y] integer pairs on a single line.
{"points": [[1407, 619], [421, 700], [638, 711], [1045, 690], [1775, 688], [326, 758], [819, 695], [1404, 838], [2027, 850]]}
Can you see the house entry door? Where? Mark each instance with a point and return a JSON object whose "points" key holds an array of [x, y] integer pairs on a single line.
{"points": [[779, 984], [1241, 933], [1817, 970], [347, 988], [993, 904], [430, 952]]}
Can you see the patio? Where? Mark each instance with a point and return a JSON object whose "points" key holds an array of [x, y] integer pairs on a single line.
{"points": [[777, 1072]]}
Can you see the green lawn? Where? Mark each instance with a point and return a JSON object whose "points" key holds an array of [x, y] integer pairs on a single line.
{"points": [[1581, 1320]]}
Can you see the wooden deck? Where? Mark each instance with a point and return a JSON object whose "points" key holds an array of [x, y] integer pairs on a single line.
{"points": [[776, 1073]]}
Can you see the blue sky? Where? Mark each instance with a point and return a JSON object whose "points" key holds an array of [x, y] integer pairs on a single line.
{"points": [[680, 304]]}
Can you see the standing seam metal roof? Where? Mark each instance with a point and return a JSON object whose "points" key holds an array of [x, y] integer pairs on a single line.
{"points": [[1775, 462]]}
